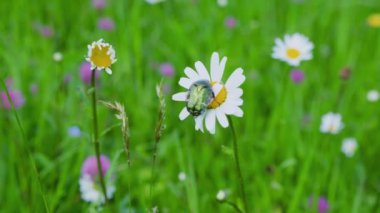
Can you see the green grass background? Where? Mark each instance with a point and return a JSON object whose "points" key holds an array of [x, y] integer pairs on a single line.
{"points": [[304, 161]]}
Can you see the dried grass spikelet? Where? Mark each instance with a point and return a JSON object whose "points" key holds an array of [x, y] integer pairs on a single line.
{"points": [[158, 133], [161, 113], [122, 116]]}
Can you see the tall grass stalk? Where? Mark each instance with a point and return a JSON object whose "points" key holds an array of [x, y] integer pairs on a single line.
{"points": [[158, 132], [122, 116], [233, 205], [28, 153]]}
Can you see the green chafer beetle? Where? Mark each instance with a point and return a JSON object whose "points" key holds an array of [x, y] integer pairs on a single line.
{"points": [[199, 97]]}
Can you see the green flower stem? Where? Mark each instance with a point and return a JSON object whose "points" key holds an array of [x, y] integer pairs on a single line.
{"points": [[29, 154], [238, 169], [233, 205], [95, 134]]}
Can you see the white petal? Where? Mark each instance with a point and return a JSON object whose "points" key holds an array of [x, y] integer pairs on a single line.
{"points": [[191, 74], [238, 112], [222, 118], [293, 62], [231, 108], [183, 114], [214, 65], [235, 93], [181, 96], [287, 39], [236, 101], [199, 122], [93, 66], [227, 108], [216, 88], [202, 71], [185, 82], [279, 52], [221, 69], [108, 71], [210, 121], [217, 68], [236, 79], [279, 43]]}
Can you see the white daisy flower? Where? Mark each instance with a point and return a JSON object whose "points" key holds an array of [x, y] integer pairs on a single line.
{"points": [[91, 191], [182, 176], [57, 56], [373, 95], [331, 123], [155, 209], [221, 195], [349, 146], [89, 184], [154, 1], [293, 49], [222, 3], [207, 97], [101, 55]]}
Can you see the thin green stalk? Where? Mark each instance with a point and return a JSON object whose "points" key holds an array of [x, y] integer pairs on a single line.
{"points": [[238, 169], [157, 138], [125, 131], [233, 205], [152, 173], [36, 173], [96, 136]]}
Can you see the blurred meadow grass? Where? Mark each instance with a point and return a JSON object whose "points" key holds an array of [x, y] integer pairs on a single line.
{"points": [[285, 159]]}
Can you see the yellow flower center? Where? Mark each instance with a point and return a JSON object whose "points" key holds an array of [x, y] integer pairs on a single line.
{"points": [[100, 56], [219, 98], [293, 53], [374, 20], [332, 128]]}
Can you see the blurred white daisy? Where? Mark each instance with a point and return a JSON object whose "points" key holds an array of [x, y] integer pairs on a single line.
{"points": [[222, 3], [331, 123], [88, 183], [101, 55], [154, 1], [182, 176], [373, 95], [91, 192], [207, 97], [57, 56], [155, 209], [275, 185], [221, 195], [349, 146], [293, 49]]}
